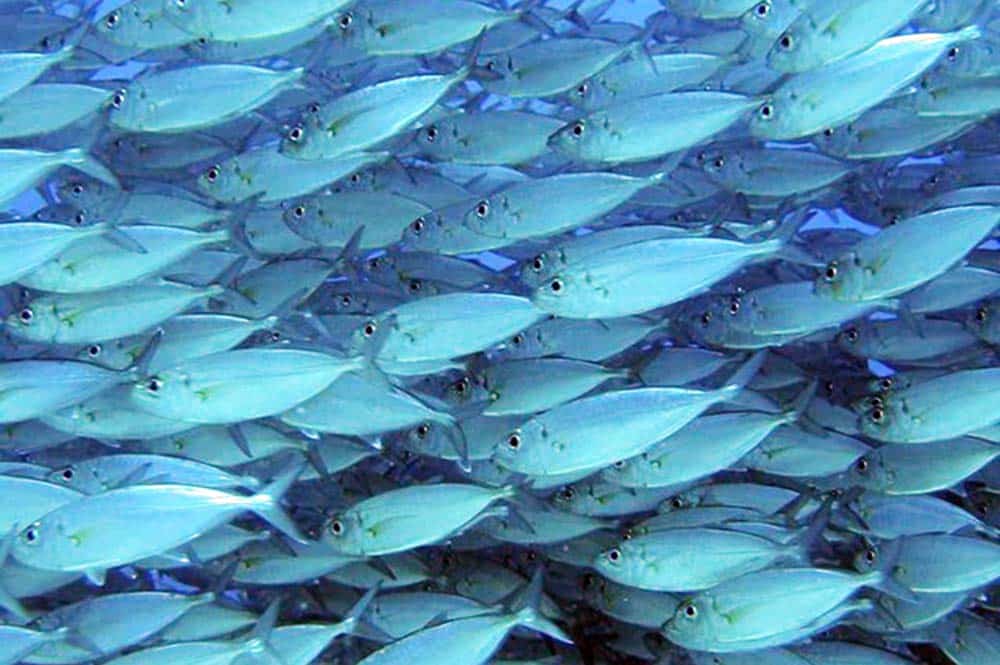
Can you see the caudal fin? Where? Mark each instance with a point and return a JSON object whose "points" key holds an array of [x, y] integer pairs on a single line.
{"points": [[267, 503], [525, 605], [83, 162]]}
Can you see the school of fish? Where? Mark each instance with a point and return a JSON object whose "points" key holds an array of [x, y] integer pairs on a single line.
{"points": [[523, 332]]}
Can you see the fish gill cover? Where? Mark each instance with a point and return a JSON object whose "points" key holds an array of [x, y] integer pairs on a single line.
{"points": [[450, 332]]}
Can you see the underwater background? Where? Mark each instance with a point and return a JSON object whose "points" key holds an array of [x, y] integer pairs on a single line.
{"points": [[478, 331]]}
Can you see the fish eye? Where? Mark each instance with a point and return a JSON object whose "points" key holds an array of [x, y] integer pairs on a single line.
{"points": [[336, 527], [78, 188], [614, 555], [275, 336], [852, 335], [514, 441], [518, 339], [766, 111], [734, 307], [677, 503], [369, 329], [706, 318], [313, 107], [345, 300], [31, 533], [213, 173], [373, 264], [112, 19], [620, 464], [482, 209], [432, 134], [26, 315], [299, 212], [154, 384], [831, 271], [181, 4], [762, 9], [423, 430], [567, 493], [953, 53], [415, 285], [981, 314], [556, 285], [355, 178], [94, 350], [862, 465], [719, 162], [878, 415], [118, 99], [871, 555], [829, 387], [79, 218], [461, 385], [582, 89], [67, 473], [491, 66], [295, 134], [418, 225], [786, 42], [577, 128], [886, 383], [828, 132], [690, 611], [538, 263], [876, 402]]}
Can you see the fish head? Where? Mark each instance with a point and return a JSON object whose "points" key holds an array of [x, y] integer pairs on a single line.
{"points": [[156, 389], [885, 420], [534, 271], [588, 94], [439, 139], [690, 625], [984, 321], [523, 448], [301, 215], [852, 338], [869, 555], [868, 471], [555, 290], [430, 231], [343, 532], [791, 51], [621, 562], [306, 139], [117, 354], [487, 213], [529, 343], [623, 469], [573, 138], [224, 181], [34, 320], [75, 476], [128, 106], [710, 322], [771, 119], [842, 278], [35, 540]]}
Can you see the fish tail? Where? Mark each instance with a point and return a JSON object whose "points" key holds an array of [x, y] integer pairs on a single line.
{"points": [[267, 503], [798, 407], [85, 163], [526, 609], [745, 373], [967, 34]]}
